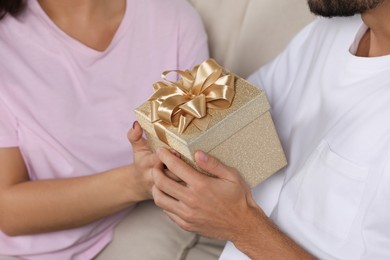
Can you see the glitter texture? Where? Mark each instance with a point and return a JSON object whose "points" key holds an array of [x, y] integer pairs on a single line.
{"points": [[242, 136]]}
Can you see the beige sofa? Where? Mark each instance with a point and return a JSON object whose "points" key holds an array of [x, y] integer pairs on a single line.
{"points": [[245, 34]]}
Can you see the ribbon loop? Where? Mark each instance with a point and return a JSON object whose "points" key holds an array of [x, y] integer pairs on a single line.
{"points": [[187, 100]]}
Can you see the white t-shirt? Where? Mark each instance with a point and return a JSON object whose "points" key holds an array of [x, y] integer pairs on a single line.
{"points": [[68, 107], [332, 112]]}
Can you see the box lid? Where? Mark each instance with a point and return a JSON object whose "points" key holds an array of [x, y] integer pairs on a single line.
{"points": [[249, 103]]}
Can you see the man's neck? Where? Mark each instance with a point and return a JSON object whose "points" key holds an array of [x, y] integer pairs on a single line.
{"points": [[376, 41]]}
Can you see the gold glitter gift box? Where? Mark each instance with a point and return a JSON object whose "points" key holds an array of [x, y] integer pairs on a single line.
{"points": [[237, 126]]}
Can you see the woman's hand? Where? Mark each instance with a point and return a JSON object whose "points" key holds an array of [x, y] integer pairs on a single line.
{"points": [[144, 161]]}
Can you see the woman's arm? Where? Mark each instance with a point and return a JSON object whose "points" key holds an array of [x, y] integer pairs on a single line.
{"points": [[28, 207]]}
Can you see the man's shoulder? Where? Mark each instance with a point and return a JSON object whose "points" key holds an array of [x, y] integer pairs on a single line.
{"points": [[325, 32], [336, 24]]}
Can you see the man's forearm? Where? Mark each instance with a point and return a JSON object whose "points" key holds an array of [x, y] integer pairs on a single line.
{"points": [[261, 239]]}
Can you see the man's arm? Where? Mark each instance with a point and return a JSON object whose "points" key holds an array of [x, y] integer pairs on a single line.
{"points": [[220, 208]]}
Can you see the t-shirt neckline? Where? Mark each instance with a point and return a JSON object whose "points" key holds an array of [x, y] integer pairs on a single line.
{"points": [[370, 63], [74, 43]]}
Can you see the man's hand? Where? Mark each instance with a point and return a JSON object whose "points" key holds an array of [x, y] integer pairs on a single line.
{"points": [[220, 207], [209, 206]]}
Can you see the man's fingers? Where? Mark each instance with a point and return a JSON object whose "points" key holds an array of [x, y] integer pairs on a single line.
{"points": [[168, 186], [135, 137], [214, 166], [166, 202], [178, 166], [172, 176], [173, 208], [168, 172]]}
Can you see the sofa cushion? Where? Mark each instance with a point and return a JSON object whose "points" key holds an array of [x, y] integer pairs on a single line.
{"points": [[245, 34]]}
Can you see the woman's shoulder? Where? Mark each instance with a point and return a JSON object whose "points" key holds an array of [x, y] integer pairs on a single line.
{"points": [[14, 27], [12, 35], [9, 27]]}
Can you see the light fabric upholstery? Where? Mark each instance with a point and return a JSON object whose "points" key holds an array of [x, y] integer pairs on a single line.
{"points": [[150, 235], [245, 34]]}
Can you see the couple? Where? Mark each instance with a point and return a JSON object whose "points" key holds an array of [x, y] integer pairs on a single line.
{"points": [[65, 183]]}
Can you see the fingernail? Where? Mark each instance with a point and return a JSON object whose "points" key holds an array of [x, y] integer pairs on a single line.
{"points": [[135, 122], [203, 156]]}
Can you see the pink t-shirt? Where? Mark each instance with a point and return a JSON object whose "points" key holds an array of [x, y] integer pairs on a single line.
{"points": [[68, 107]]}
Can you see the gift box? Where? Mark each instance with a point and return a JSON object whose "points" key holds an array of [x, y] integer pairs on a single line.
{"points": [[213, 110]]}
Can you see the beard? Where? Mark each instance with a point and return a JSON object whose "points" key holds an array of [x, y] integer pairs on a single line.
{"points": [[331, 8]]}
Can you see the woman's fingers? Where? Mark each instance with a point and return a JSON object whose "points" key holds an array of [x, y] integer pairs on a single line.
{"points": [[135, 137]]}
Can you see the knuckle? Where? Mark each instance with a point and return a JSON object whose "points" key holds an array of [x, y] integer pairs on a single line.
{"points": [[156, 196], [190, 215], [187, 226], [157, 201], [159, 182], [234, 172], [191, 201], [157, 178], [164, 156], [187, 215], [173, 163], [214, 163], [200, 185], [238, 177]]}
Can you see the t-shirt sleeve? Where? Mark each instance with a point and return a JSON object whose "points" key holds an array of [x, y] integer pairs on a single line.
{"points": [[193, 48], [8, 127]]}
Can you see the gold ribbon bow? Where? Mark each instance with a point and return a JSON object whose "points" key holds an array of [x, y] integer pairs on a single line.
{"points": [[187, 100]]}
